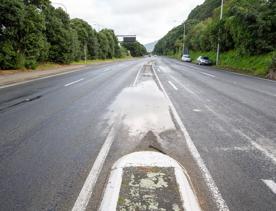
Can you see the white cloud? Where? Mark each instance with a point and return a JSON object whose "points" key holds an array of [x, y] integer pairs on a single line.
{"points": [[148, 19]]}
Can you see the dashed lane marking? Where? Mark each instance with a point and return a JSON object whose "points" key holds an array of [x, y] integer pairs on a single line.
{"points": [[207, 74], [74, 82], [172, 85]]}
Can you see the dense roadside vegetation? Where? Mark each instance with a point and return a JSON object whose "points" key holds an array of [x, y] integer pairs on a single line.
{"points": [[136, 49], [247, 34], [34, 32]]}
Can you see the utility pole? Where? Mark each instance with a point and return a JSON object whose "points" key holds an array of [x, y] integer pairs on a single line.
{"points": [[218, 48], [184, 36], [85, 52]]}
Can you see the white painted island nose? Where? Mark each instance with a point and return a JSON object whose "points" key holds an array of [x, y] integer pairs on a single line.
{"points": [[148, 180]]}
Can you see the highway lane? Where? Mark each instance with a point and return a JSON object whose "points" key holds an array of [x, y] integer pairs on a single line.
{"points": [[51, 132], [53, 129], [232, 121]]}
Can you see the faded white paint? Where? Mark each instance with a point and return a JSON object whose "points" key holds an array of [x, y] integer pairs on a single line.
{"points": [[173, 86], [257, 146], [207, 74]]}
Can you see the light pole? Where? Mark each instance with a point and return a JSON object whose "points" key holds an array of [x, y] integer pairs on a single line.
{"points": [[218, 48], [85, 52], [184, 36]]}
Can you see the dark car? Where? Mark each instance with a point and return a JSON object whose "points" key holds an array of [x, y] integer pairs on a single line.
{"points": [[203, 60]]}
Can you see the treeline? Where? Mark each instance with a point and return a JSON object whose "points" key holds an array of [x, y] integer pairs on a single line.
{"points": [[136, 49], [248, 27], [33, 32]]}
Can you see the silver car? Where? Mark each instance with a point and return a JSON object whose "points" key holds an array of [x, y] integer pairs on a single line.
{"points": [[203, 60], [186, 58]]}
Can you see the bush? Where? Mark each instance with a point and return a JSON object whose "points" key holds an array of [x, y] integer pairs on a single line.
{"points": [[31, 64]]}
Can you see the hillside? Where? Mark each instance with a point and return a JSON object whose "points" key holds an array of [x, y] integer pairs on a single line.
{"points": [[248, 29]]}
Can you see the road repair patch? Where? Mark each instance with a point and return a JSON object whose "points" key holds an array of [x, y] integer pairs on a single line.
{"points": [[149, 188]]}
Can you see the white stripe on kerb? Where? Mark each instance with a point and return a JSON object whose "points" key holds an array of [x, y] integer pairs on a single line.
{"points": [[271, 184]]}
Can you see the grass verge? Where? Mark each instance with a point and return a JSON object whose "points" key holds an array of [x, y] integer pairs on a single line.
{"points": [[96, 61], [49, 66], [251, 65]]}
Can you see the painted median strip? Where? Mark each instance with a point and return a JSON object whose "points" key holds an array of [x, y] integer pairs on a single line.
{"points": [[148, 181]]}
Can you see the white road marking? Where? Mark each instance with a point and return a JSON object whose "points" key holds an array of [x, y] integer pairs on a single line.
{"points": [[196, 110], [41, 78], [207, 74], [137, 76], [271, 184], [148, 159], [220, 203], [259, 147], [74, 82], [173, 86], [186, 88], [87, 189]]}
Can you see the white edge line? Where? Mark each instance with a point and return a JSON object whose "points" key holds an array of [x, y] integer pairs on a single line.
{"points": [[148, 159], [173, 86], [271, 184], [220, 203], [41, 78], [87, 189], [137, 76], [74, 82]]}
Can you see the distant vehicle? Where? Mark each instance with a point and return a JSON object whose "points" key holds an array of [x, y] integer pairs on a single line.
{"points": [[186, 58], [203, 60]]}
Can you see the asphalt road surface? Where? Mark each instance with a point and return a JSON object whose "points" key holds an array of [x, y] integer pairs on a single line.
{"points": [[54, 130]]}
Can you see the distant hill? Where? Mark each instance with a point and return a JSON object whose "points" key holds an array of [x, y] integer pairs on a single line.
{"points": [[150, 46]]}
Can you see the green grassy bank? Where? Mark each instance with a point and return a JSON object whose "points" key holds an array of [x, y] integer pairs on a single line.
{"points": [[251, 65]]}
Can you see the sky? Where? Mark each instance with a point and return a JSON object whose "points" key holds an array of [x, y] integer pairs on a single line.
{"points": [[149, 20]]}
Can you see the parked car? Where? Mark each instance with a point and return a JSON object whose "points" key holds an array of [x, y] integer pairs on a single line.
{"points": [[186, 58], [203, 60]]}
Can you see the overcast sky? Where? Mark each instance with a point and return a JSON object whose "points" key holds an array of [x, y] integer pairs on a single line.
{"points": [[148, 19]]}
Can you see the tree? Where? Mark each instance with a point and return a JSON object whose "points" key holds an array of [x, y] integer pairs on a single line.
{"points": [[11, 19], [136, 49], [33, 42], [59, 35], [103, 43]]}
